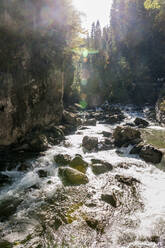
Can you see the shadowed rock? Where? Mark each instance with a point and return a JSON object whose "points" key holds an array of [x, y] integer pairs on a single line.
{"points": [[141, 122], [126, 135], [90, 143], [151, 154], [62, 159], [110, 199]]}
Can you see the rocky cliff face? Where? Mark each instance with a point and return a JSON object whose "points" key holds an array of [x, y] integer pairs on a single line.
{"points": [[26, 104], [33, 51], [160, 110]]}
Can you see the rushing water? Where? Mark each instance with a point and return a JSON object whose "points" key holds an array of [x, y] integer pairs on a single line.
{"points": [[142, 228]]}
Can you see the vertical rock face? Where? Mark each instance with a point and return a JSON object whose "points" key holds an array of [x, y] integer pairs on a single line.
{"points": [[32, 55], [160, 110], [26, 103]]}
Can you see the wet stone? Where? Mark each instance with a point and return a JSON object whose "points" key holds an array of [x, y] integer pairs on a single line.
{"points": [[8, 207], [101, 168], [129, 181], [42, 173], [38, 143], [90, 122], [71, 176], [62, 159], [90, 143], [141, 122], [110, 199], [4, 179], [107, 134], [126, 135], [24, 167], [151, 154], [79, 164]]}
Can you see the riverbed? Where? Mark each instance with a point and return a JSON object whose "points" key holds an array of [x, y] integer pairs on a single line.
{"points": [[42, 212]]}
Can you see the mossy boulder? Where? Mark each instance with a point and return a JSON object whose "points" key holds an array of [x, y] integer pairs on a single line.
{"points": [[70, 176], [79, 164]]}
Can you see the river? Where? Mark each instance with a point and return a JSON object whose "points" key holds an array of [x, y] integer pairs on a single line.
{"points": [[41, 212]]}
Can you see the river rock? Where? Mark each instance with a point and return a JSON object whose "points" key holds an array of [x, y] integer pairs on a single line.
{"points": [[101, 168], [90, 143], [150, 154], [110, 199], [70, 176], [38, 143], [62, 159], [106, 144], [79, 164], [90, 122], [106, 134], [8, 207], [92, 222], [95, 222], [4, 179], [24, 167], [113, 119], [42, 173], [129, 181], [137, 148], [141, 122], [126, 135]]}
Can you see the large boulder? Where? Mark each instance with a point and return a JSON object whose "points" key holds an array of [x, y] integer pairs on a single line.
{"points": [[125, 135], [90, 122], [70, 176], [79, 164], [141, 122], [150, 154], [90, 143]]}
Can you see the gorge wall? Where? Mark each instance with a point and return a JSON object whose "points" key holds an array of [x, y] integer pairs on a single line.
{"points": [[34, 46]]}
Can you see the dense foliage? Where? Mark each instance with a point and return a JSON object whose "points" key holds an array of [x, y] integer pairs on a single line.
{"points": [[129, 65], [37, 38]]}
